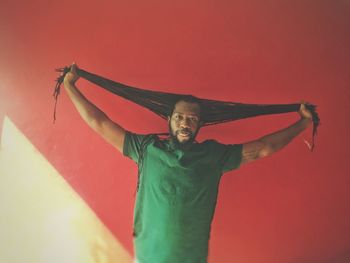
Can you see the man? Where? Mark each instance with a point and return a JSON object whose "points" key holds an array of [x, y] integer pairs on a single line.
{"points": [[178, 177]]}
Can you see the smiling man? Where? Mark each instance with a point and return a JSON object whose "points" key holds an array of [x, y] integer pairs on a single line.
{"points": [[184, 122], [178, 177]]}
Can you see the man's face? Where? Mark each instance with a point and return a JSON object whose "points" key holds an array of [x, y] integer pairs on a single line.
{"points": [[184, 123]]}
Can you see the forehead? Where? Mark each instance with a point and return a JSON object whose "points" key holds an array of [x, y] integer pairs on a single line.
{"points": [[184, 107]]}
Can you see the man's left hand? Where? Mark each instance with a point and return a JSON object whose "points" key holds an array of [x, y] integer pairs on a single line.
{"points": [[304, 112]]}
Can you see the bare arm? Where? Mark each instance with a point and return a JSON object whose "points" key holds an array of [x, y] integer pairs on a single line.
{"points": [[272, 143], [93, 116]]}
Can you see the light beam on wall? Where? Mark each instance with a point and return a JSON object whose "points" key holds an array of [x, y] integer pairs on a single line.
{"points": [[43, 220]]}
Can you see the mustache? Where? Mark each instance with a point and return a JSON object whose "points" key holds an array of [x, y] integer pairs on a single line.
{"points": [[185, 130]]}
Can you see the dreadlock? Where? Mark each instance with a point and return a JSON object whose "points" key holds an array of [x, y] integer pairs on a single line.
{"points": [[162, 103]]}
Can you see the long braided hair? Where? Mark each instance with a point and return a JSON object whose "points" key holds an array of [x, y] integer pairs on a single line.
{"points": [[162, 103]]}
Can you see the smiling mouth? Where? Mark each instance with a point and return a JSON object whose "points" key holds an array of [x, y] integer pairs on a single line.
{"points": [[185, 134]]}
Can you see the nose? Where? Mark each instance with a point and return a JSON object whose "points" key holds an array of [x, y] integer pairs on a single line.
{"points": [[185, 123]]}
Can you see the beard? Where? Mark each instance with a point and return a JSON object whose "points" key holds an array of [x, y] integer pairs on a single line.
{"points": [[189, 141]]}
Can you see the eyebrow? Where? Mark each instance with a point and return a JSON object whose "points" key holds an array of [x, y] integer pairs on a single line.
{"points": [[190, 114]]}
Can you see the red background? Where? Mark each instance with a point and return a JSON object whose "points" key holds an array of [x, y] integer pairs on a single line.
{"points": [[292, 207]]}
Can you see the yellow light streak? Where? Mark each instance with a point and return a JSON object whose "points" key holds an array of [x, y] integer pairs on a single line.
{"points": [[42, 219]]}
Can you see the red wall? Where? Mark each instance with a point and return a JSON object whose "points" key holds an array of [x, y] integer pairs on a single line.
{"points": [[292, 207]]}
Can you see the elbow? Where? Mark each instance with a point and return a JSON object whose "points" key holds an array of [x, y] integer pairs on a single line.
{"points": [[266, 150], [97, 121]]}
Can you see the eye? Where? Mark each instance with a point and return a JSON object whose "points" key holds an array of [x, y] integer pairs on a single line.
{"points": [[194, 119], [177, 117]]}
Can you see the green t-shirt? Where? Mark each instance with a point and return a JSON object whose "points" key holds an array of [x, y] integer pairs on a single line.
{"points": [[176, 196]]}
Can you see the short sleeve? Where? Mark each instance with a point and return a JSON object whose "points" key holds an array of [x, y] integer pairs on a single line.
{"points": [[132, 145], [230, 157]]}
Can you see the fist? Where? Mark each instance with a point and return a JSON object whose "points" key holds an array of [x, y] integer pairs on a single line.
{"points": [[304, 112], [72, 76]]}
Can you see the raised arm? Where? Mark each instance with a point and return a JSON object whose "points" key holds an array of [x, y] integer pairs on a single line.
{"points": [[271, 143], [93, 116]]}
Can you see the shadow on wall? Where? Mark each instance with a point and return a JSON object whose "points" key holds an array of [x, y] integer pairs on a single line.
{"points": [[342, 257]]}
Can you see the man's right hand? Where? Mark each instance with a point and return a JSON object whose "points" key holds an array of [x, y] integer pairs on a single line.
{"points": [[72, 76]]}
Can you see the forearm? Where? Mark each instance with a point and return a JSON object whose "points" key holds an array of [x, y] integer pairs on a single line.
{"points": [[88, 111], [277, 140]]}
